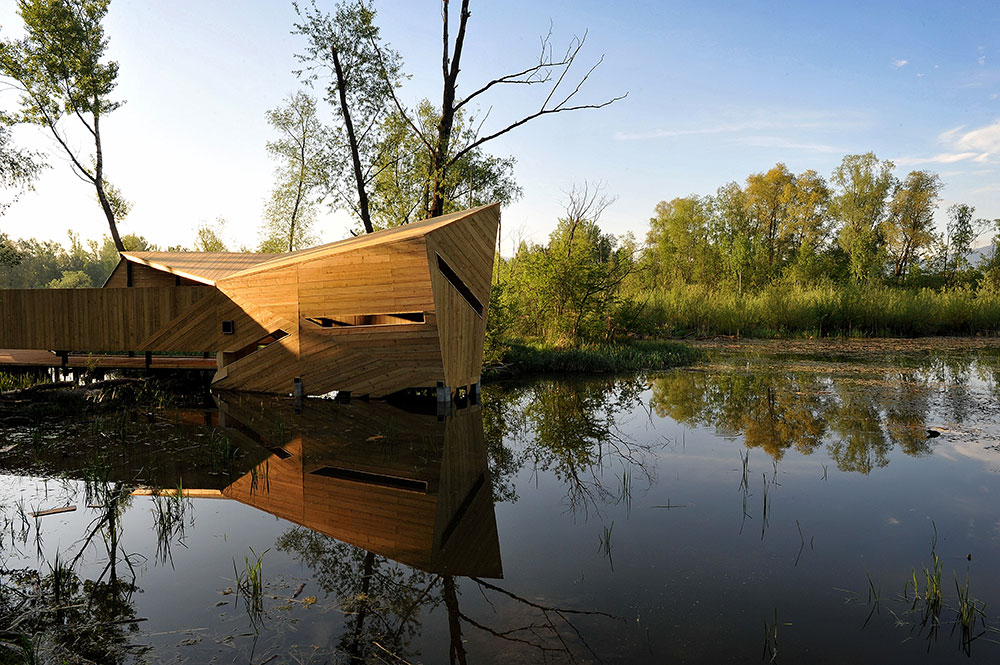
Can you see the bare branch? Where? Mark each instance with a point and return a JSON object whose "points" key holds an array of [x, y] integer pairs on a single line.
{"points": [[475, 144]]}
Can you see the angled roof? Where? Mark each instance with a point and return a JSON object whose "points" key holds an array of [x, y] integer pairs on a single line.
{"points": [[210, 267], [405, 232], [206, 267]]}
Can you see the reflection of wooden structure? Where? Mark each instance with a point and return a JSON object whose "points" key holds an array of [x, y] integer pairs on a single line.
{"points": [[411, 487], [374, 314]]}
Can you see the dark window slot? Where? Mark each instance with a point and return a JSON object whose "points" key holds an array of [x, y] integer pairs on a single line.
{"points": [[460, 286], [280, 453], [463, 508], [258, 345], [372, 478], [368, 320]]}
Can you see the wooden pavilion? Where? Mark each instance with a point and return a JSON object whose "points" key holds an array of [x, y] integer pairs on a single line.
{"points": [[370, 315]]}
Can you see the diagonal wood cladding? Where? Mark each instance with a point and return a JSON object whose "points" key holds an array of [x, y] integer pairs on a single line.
{"points": [[373, 314]]}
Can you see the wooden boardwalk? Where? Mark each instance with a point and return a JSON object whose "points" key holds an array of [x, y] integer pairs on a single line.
{"points": [[24, 358]]}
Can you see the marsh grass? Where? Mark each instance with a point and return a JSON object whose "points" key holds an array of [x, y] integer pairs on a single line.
{"points": [[770, 653], [171, 513], [21, 380], [844, 310], [930, 599], [874, 600], [249, 585], [970, 613], [605, 545], [524, 357]]}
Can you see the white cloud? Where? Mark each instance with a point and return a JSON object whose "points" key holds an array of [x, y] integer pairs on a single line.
{"points": [[778, 142], [940, 158], [761, 120], [976, 145], [985, 139], [896, 64], [982, 55]]}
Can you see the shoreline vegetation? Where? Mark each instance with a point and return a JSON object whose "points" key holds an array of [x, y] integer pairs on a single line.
{"points": [[520, 357]]}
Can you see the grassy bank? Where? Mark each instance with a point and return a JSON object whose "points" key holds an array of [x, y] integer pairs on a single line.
{"points": [[830, 311], [516, 358]]}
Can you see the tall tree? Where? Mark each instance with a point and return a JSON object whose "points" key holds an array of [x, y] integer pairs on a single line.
{"points": [[962, 231], [864, 186], [734, 233], [768, 196], [444, 147], [345, 47], [301, 170], [58, 67], [911, 219], [678, 239], [808, 224]]}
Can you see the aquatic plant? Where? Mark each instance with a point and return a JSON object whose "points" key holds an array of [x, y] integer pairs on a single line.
{"points": [[970, 612], [605, 543], [170, 513], [249, 585]]}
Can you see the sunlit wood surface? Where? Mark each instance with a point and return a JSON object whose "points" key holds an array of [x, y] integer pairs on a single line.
{"points": [[374, 314]]}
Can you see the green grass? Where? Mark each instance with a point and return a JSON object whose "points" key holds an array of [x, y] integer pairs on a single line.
{"points": [[522, 357], [788, 311]]}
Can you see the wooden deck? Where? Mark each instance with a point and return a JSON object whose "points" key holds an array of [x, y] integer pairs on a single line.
{"points": [[24, 358]]}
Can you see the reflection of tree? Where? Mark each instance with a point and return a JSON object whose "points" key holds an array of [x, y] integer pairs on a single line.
{"points": [[906, 414], [73, 619], [957, 397], [385, 603], [773, 411], [863, 445], [383, 599], [571, 429]]}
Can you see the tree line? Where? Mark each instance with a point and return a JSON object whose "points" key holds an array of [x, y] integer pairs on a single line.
{"points": [[779, 253]]}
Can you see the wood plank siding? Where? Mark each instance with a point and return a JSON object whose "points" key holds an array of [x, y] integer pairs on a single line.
{"points": [[374, 314]]}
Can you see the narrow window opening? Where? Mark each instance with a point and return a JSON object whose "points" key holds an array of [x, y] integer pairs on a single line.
{"points": [[228, 327], [394, 319], [372, 478], [460, 286], [261, 343]]}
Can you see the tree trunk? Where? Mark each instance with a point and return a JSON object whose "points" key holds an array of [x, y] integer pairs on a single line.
{"points": [[450, 68], [298, 192], [457, 649], [99, 185], [353, 141]]}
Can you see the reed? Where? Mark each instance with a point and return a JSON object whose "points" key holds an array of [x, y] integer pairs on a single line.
{"points": [[526, 357], [843, 310], [970, 611], [249, 585]]}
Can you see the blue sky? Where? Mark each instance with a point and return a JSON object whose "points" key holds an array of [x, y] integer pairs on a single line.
{"points": [[716, 91]]}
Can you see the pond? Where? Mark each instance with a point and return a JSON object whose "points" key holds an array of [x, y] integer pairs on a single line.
{"points": [[755, 507]]}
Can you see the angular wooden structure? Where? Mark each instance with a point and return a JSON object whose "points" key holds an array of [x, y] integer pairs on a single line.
{"points": [[374, 314]]}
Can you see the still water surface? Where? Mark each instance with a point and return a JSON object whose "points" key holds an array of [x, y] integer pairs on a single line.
{"points": [[752, 508]]}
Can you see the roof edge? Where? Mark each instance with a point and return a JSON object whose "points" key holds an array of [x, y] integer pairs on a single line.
{"points": [[164, 268], [320, 250]]}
